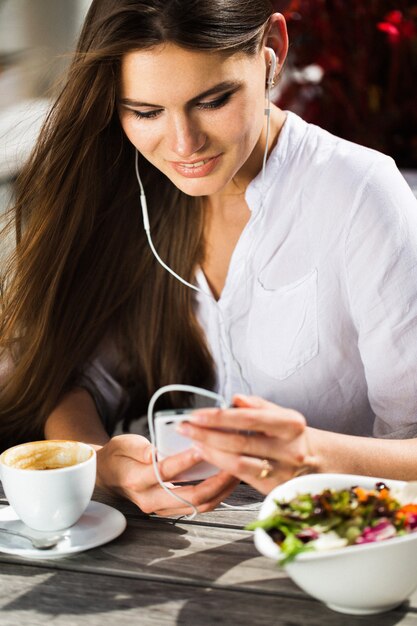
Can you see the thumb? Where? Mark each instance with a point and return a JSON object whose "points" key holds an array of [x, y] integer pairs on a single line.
{"points": [[134, 446]]}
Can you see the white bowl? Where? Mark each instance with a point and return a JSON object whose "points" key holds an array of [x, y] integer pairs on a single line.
{"points": [[360, 580]]}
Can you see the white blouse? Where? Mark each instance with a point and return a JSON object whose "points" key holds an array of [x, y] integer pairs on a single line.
{"points": [[319, 309]]}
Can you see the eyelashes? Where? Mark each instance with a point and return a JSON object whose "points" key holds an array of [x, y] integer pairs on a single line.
{"points": [[216, 104], [148, 115], [212, 104]]}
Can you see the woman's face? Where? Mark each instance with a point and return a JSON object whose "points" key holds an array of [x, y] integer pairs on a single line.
{"points": [[196, 116]]}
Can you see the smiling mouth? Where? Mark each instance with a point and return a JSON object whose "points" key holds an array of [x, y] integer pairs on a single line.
{"points": [[196, 169]]}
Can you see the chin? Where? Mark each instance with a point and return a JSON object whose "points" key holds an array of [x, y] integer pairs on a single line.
{"points": [[197, 187]]}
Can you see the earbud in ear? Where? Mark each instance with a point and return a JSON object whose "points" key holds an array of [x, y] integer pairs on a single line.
{"points": [[272, 67]]}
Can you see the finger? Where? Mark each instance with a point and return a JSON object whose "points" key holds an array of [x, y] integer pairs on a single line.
{"points": [[202, 508], [276, 421], [237, 442], [170, 467], [249, 469], [131, 476], [156, 499], [255, 402], [207, 490], [244, 443]]}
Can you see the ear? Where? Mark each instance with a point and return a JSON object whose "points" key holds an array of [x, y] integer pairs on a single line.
{"points": [[276, 37]]}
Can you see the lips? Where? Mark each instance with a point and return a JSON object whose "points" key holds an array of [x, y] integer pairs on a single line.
{"points": [[196, 164], [197, 168]]}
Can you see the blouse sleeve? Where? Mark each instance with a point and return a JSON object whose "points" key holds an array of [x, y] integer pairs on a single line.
{"points": [[381, 274], [100, 378]]}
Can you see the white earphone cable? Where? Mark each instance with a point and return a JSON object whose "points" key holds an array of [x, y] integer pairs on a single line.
{"points": [[167, 388], [147, 228], [190, 388], [268, 124]]}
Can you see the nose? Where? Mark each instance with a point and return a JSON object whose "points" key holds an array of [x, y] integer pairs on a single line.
{"points": [[185, 137]]}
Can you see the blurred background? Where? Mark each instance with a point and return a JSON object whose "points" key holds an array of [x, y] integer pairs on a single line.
{"points": [[352, 69], [36, 39]]}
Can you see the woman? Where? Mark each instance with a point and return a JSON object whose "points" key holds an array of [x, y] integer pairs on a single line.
{"points": [[308, 270]]}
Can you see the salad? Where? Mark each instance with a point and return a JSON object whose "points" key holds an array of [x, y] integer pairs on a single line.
{"points": [[337, 518]]}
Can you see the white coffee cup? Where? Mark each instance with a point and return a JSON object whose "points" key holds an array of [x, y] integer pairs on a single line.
{"points": [[49, 483]]}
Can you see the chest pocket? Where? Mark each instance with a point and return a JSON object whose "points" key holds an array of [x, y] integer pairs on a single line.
{"points": [[282, 327]]}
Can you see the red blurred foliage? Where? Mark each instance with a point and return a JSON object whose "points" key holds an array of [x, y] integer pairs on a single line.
{"points": [[367, 55]]}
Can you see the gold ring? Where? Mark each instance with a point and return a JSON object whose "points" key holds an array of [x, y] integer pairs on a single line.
{"points": [[304, 469], [266, 469]]}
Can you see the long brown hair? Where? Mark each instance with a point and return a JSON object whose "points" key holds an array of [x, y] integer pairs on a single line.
{"points": [[82, 270]]}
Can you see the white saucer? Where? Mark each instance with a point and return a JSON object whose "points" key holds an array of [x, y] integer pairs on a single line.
{"points": [[99, 524]]}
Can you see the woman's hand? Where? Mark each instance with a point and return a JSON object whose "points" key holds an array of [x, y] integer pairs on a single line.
{"points": [[124, 466], [265, 444]]}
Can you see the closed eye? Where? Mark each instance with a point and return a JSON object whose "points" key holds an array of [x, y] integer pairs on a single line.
{"points": [[146, 115], [211, 104], [216, 104]]}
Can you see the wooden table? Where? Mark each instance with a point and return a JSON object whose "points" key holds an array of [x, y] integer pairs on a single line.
{"points": [[158, 572]]}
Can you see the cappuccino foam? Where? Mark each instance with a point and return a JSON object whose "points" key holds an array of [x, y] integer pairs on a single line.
{"points": [[46, 455]]}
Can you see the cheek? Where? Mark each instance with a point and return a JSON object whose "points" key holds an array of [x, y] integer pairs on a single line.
{"points": [[143, 139], [246, 124]]}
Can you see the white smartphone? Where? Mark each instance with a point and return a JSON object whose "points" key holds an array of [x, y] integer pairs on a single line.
{"points": [[168, 442]]}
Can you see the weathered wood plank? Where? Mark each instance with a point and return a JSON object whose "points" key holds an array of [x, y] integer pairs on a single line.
{"points": [[157, 549], [33, 596]]}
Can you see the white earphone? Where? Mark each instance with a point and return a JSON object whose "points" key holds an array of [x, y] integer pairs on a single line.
{"points": [[272, 67], [269, 85]]}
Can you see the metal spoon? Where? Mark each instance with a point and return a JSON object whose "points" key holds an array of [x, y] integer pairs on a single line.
{"points": [[40, 543]]}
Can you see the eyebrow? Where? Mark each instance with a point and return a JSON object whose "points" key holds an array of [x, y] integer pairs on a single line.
{"points": [[224, 86]]}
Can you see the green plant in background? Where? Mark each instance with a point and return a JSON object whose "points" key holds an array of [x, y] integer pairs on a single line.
{"points": [[353, 70]]}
